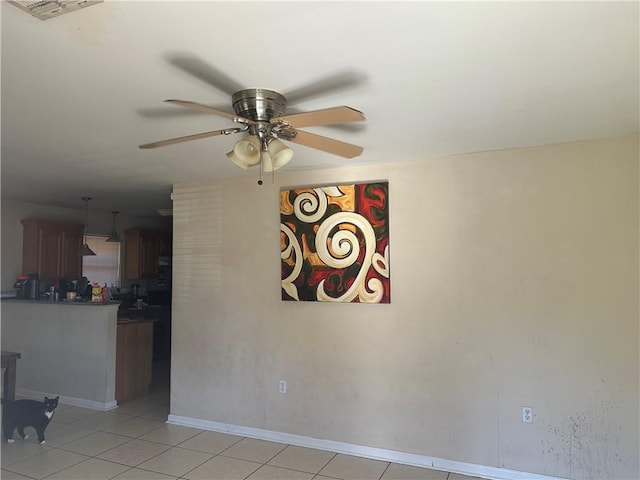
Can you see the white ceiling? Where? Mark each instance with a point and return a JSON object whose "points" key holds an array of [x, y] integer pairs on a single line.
{"points": [[80, 92]]}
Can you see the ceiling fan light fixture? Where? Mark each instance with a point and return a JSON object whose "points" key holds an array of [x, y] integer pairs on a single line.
{"points": [[246, 152], [276, 156], [261, 113]]}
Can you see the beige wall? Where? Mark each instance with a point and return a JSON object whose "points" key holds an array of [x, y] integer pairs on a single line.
{"points": [[514, 278], [68, 349]]}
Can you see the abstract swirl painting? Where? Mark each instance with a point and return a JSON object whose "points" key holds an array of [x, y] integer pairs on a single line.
{"points": [[334, 243]]}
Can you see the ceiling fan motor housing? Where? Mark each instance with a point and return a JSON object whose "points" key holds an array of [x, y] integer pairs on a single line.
{"points": [[259, 104]]}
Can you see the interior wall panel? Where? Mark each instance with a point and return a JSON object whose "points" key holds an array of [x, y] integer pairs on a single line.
{"points": [[514, 283]]}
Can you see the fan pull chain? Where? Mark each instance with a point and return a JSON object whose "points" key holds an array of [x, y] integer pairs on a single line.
{"points": [[260, 178]]}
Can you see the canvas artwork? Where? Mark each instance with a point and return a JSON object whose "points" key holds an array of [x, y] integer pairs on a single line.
{"points": [[334, 243]]}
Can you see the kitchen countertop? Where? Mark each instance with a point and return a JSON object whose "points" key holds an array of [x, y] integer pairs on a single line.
{"points": [[127, 321], [147, 314], [62, 302], [125, 316]]}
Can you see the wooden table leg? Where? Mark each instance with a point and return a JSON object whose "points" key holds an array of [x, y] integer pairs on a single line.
{"points": [[9, 384]]}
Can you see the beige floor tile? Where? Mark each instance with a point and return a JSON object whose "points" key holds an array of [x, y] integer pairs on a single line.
{"points": [[138, 474], [136, 407], [71, 414], [459, 476], [159, 413], [171, 434], [223, 468], [211, 442], [102, 420], [160, 397], [96, 443], [302, 459], [47, 463], [136, 427], [134, 452], [254, 450], [406, 472], [92, 469], [176, 461], [267, 472], [7, 475], [348, 467], [56, 434], [19, 450]]}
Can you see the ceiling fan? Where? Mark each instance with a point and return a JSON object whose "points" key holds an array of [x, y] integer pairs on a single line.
{"points": [[260, 113]]}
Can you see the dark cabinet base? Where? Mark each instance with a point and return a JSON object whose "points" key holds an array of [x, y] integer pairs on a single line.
{"points": [[134, 353]]}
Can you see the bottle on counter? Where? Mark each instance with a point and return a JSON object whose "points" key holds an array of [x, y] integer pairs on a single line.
{"points": [[96, 293]]}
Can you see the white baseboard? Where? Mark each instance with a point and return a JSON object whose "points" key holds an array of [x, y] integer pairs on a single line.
{"points": [[412, 459], [76, 402]]}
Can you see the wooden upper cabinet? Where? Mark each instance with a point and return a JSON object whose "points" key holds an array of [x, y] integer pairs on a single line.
{"points": [[71, 262], [164, 245], [52, 249], [141, 251]]}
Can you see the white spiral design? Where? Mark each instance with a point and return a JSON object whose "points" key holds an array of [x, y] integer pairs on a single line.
{"points": [[293, 247], [309, 207], [381, 263], [344, 252]]}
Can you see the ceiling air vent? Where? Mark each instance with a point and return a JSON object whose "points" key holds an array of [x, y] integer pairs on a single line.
{"points": [[45, 9]]}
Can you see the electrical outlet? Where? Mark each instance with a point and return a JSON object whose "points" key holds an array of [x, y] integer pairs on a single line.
{"points": [[283, 386], [527, 414]]}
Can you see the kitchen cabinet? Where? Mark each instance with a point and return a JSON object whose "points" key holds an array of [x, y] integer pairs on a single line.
{"points": [[134, 356], [141, 251], [52, 249]]}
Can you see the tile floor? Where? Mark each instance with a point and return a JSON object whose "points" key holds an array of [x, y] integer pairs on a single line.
{"points": [[134, 442]]}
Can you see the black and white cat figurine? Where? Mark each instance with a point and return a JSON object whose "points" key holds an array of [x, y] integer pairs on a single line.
{"points": [[27, 413]]}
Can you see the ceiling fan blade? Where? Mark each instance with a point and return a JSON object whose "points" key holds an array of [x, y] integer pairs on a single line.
{"points": [[327, 116], [207, 109], [170, 112], [205, 72], [188, 138], [325, 144], [336, 81]]}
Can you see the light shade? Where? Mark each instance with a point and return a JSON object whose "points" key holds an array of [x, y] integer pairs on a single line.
{"points": [[246, 152], [113, 238], [85, 251], [114, 234], [276, 156]]}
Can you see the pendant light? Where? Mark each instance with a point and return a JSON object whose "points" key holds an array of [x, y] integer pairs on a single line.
{"points": [[114, 234], [85, 251]]}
